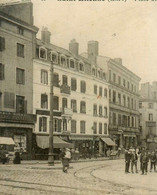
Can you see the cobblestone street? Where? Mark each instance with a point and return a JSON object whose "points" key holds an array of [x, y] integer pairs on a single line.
{"points": [[97, 177]]}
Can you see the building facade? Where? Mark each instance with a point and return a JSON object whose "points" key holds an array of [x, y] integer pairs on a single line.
{"points": [[17, 48], [81, 104], [123, 97], [148, 114]]}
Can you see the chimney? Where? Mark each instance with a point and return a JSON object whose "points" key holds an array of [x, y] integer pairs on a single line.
{"points": [[93, 47], [118, 60], [45, 35], [74, 47]]}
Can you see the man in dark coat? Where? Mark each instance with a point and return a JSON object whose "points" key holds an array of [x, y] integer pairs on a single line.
{"points": [[153, 160], [134, 159], [144, 161], [127, 160]]}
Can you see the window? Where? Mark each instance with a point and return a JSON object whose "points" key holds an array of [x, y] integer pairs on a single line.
{"points": [[114, 119], [114, 97], [124, 83], [54, 58], [100, 128], [140, 105], [93, 72], [21, 106], [1, 71], [128, 100], [132, 87], [105, 93], [94, 128], [124, 100], [105, 111], [114, 77], [44, 77], [2, 44], [73, 126], [20, 142], [128, 84], [56, 103], [83, 87], [73, 84], [128, 121], [119, 80], [57, 125], [100, 91], [64, 103], [42, 53], [132, 121], [94, 110], [82, 107], [72, 64], [55, 80], [81, 67], [63, 61], [64, 80], [42, 124], [104, 76], [119, 119], [9, 100], [44, 101], [99, 74], [20, 50], [150, 105], [150, 117], [105, 128], [95, 89], [100, 111], [20, 76], [119, 98], [20, 30], [64, 125], [82, 126], [74, 105], [132, 103], [110, 77]]}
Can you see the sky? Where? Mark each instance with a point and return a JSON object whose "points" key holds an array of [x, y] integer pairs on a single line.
{"points": [[123, 29]]}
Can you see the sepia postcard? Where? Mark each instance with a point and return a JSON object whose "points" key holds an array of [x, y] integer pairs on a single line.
{"points": [[78, 97]]}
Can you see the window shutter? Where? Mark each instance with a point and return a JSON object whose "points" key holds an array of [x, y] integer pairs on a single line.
{"points": [[40, 124], [1, 71], [25, 106], [59, 125], [2, 43]]}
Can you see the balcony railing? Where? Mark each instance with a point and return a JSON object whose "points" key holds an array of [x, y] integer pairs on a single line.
{"points": [[65, 89], [16, 118]]}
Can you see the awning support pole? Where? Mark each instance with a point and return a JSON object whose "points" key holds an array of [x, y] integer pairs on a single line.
{"points": [[50, 156]]}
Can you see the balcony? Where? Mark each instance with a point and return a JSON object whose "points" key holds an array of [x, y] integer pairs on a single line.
{"points": [[17, 118], [150, 124], [65, 89]]}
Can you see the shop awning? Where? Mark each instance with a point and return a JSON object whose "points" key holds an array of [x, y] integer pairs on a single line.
{"points": [[43, 142], [129, 135], [83, 138], [6, 141], [108, 141]]}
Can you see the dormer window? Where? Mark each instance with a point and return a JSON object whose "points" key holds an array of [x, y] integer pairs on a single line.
{"points": [[104, 76], [42, 53], [72, 63], [63, 60], [81, 67], [54, 57], [93, 72], [99, 74]]}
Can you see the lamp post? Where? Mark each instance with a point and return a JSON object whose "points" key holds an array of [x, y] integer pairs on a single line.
{"points": [[50, 155]]}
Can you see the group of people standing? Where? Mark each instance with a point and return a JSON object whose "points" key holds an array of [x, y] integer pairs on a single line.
{"points": [[144, 156]]}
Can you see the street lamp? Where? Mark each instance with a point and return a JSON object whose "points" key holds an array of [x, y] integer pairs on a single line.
{"points": [[50, 155]]}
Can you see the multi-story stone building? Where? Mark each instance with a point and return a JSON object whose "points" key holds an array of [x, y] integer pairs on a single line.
{"points": [[81, 104], [148, 114], [17, 48], [123, 96]]}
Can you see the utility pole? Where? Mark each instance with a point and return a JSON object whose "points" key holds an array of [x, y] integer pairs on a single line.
{"points": [[51, 156]]}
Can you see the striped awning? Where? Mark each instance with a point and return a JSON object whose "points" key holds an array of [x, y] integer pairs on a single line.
{"points": [[6, 141], [108, 141], [83, 138]]}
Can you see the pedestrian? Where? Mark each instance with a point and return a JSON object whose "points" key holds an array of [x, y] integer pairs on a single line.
{"points": [[153, 160], [134, 159], [144, 162], [3, 154], [127, 160], [67, 158], [17, 159], [119, 152], [62, 155]]}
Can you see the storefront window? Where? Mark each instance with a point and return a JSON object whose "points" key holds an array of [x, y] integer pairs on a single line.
{"points": [[20, 143]]}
